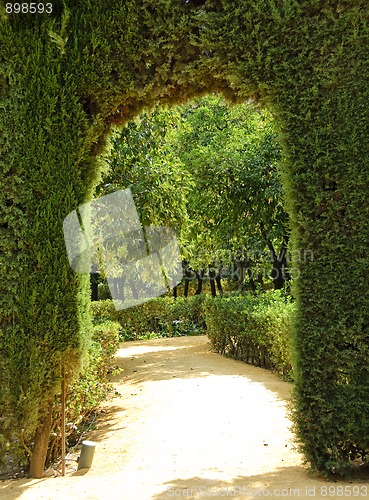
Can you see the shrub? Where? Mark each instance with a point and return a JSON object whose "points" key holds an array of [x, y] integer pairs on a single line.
{"points": [[185, 316], [84, 394], [159, 317], [103, 291], [254, 329], [92, 386]]}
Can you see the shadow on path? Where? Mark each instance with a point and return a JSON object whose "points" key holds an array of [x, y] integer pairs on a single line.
{"points": [[187, 423], [288, 482], [164, 359]]}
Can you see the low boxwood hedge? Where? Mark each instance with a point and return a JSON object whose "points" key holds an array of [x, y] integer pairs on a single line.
{"points": [[159, 317], [252, 328], [255, 328]]}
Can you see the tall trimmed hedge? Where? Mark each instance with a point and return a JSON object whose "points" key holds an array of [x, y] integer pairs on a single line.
{"points": [[66, 77], [46, 170]]}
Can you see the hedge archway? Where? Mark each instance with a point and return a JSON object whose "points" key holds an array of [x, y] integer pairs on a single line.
{"points": [[67, 76]]}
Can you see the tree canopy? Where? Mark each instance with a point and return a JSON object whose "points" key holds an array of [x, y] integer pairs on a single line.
{"points": [[209, 170]]}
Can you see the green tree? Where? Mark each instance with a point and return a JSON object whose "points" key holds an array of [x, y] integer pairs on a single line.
{"points": [[209, 170], [236, 204], [141, 159]]}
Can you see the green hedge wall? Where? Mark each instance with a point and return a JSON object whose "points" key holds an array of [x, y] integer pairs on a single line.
{"points": [[92, 386], [46, 171], [67, 77], [86, 393], [160, 317], [83, 396], [254, 329]]}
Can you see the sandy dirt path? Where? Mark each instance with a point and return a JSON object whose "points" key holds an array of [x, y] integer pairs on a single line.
{"points": [[188, 423]]}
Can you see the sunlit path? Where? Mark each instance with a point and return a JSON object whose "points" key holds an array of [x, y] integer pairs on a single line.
{"points": [[188, 423]]}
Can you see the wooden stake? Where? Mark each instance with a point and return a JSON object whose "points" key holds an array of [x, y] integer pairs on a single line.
{"points": [[63, 419]]}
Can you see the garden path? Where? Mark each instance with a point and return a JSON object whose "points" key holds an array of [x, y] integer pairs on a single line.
{"points": [[187, 423]]}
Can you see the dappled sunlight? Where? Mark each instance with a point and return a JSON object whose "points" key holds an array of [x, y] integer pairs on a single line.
{"points": [[188, 357], [285, 482], [134, 350], [185, 422]]}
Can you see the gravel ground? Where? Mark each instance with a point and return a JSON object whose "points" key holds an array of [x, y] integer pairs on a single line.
{"points": [[188, 423]]}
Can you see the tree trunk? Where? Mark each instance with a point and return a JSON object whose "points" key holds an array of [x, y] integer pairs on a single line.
{"points": [[187, 278], [212, 283], [133, 289], [94, 277], [218, 281], [186, 285], [241, 270], [120, 287], [200, 279], [41, 441], [277, 273], [250, 275]]}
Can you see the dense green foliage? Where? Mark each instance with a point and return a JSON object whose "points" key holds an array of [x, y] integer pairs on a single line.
{"points": [[209, 170], [231, 153], [160, 317], [46, 170], [67, 77], [142, 159], [253, 328], [83, 396]]}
